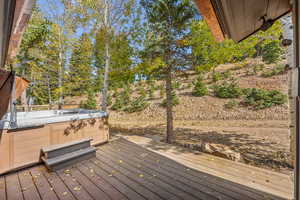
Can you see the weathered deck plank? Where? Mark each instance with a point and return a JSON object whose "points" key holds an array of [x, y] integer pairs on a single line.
{"points": [[113, 193], [13, 188], [74, 187], [259, 180], [233, 190], [28, 187], [2, 189], [58, 186], [123, 170], [44, 188], [141, 177], [109, 177], [147, 180], [194, 188], [93, 190]]}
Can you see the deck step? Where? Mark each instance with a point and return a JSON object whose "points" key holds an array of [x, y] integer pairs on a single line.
{"points": [[62, 149], [63, 161]]}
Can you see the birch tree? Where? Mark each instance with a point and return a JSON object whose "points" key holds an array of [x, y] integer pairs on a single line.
{"points": [[64, 14], [108, 15]]}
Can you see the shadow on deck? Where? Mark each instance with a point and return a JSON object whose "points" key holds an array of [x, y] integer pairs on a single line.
{"points": [[126, 170]]}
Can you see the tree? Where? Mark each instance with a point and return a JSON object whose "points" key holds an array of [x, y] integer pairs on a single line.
{"points": [[209, 53], [121, 59], [169, 22], [80, 71], [65, 14], [108, 16]]}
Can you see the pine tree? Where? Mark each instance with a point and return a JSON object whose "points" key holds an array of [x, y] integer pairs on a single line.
{"points": [[80, 72]]}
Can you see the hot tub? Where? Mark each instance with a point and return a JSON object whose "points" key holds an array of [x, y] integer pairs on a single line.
{"points": [[20, 145]]}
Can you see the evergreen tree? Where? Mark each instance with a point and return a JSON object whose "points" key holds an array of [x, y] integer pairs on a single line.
{"points": [[169, 22], [80, 72]]}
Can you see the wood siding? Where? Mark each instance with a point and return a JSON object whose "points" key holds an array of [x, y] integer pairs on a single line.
{"points": [[239, 19]]}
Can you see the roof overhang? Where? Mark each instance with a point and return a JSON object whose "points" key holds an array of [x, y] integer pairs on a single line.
{"points": [[14, 16], [238, 19]]}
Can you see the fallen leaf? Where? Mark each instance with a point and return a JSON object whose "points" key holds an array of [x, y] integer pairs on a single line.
{"points": [[67, 171], [120, 161], [65, 193], [77, 188], [141, 175]]}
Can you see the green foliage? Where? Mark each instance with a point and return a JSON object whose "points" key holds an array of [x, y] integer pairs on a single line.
{"points": [[80, 72], [209, 53], [258, 68], [217, 76], [271, 52], [279, 69], [139, 104], [260, 99], [176, 85], [227, 90], [231, 104], [151, 91], [90, 103], [200, 88], [121, 59], [175, 100], [122, 100]]}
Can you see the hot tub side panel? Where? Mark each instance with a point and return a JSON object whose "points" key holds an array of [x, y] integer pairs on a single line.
{"points": [[21, 148]]}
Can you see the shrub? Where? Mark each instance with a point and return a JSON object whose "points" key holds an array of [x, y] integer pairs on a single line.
{"points": [[200, 88], [231, 104], [175, 100], [90, 103], [260, 99], [280, 69], [176, 85], [258, 68], [137, 105], [271, 52], [217, 76], [122, 99], [227, 90]]}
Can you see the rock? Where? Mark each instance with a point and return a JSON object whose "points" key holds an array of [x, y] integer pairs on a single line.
{"points": [[221, 151]]}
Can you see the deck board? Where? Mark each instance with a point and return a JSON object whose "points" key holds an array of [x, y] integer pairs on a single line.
{"points": [[44, 188], [195, 185], [73, 185], [257, 180], [223, 186], [2, 189], [109, 177], [113, 193], [129, 170], [188, 189], [13, 188], [28, 187], [147, 180], [58, 185]]}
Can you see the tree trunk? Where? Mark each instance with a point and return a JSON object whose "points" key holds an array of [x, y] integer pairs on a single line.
{"points": [[49, 90], [288, 41], [60, 73], [107, 62], [170, 132]]}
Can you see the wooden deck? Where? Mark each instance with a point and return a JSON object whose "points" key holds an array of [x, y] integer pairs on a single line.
{"points": [[125, 170]]}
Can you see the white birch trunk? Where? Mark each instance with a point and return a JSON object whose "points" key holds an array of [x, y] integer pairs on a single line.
{"points": [[107, 60], [288, 35]]}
